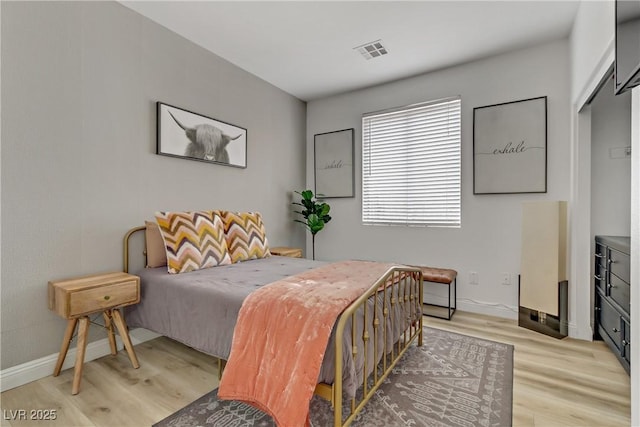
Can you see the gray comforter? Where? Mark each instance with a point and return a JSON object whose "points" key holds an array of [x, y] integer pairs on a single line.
{"points": [[200, 309]]}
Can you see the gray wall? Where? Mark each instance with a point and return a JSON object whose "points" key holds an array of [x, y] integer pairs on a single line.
{"points": [[489, 241], [610, 176], [80, 82]]}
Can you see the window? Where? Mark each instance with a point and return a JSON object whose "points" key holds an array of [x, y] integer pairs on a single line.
{"points": [[411, 165]]}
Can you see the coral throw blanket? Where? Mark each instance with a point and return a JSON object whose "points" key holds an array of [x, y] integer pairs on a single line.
{"points": [[282, 333]]}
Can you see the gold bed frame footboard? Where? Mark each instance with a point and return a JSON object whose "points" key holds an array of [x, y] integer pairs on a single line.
{"points": [[401, 291]]}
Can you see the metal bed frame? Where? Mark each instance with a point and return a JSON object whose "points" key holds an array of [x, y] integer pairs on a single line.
{"points": [[401, 291]]}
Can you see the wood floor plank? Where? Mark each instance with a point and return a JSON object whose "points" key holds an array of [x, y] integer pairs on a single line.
{"points": [[523, 418], [115, 403], [577, 383], [38, 396], [564, 382], [556, 382]]}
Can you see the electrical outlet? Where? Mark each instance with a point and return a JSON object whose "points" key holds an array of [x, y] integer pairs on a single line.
{"points": [[506, 279], [473, 278], [620, 153]]}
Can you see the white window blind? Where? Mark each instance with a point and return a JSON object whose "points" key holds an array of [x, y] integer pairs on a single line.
{"points": [[411, 165]]}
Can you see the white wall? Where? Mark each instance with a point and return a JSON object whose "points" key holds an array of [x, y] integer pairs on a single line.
{"points": [[635, 260], [0, 164], [489, 240], [591, 35], [592, 54], [610, 176], [80, 81]]}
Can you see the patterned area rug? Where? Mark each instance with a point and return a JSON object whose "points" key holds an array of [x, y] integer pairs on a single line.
{"points": [[453, 380]]}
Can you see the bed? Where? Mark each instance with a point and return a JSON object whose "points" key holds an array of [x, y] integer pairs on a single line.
{"points": [[200, 309]]}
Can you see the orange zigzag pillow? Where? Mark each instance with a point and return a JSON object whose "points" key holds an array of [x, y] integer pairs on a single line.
{"points": [[193, 240], [246, 235]]}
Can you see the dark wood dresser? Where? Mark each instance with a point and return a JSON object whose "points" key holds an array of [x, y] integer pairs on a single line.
{"points": [[612, 291]]}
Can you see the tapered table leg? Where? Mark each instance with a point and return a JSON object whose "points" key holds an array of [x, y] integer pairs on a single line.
{"points": [[68, 334], [83, 330], [124, 334], [108, 324]]}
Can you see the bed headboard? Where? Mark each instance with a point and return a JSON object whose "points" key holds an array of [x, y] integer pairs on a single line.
{"points": [[126, 243]]}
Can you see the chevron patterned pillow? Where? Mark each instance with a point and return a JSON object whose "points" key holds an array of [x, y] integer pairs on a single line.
{"points": [[246, 235], [193, 240]]}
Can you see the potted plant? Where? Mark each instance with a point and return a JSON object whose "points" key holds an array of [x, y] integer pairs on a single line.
{"points": [[315, 214]]}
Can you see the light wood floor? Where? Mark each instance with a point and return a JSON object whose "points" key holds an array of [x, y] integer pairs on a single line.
{"points": [[556, 382]]}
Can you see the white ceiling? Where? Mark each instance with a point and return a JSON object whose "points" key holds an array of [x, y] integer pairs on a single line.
{"points": [[306, 47]]}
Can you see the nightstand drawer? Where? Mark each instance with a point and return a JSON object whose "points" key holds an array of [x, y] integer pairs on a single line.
{"points": [[77, 297], [103, 297]]}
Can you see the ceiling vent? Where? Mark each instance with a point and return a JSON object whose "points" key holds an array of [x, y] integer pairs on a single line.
{"points": [[372, 49]]}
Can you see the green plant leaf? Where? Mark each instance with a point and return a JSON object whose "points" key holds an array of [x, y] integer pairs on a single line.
{"points": [[315, 213], [315, 223], [323, 209]]}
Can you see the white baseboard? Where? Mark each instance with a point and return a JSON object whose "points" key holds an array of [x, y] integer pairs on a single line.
{"points": [[509, 312], [140, 335], [584, 333], [43, 367], [490, 309]]}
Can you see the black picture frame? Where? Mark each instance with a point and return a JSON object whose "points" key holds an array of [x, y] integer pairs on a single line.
{"points": [[187, 135], [333, 157], [510, 147]]}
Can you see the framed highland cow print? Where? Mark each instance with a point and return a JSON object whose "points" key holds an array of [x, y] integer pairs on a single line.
{"points": [[187, 135]]}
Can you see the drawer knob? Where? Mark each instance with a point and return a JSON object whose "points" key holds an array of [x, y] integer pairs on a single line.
{"points": [[598, 255], [610, 286], [625, 343], [610, 261], [107, 297], [616, 330]]}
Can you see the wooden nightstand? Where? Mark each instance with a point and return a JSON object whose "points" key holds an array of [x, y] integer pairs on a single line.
{"points": [[74, 299], [285, 251]]}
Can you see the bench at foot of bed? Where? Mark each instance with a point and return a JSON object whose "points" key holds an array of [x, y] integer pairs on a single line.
{"points": [[440, 276]]}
